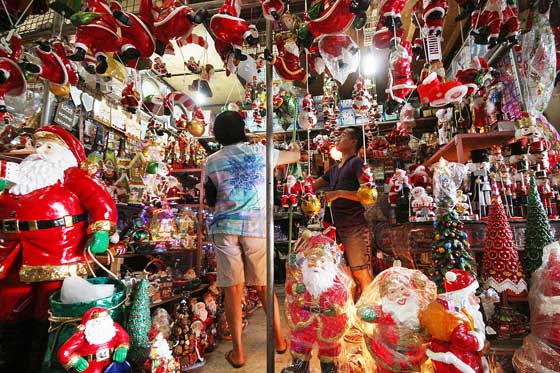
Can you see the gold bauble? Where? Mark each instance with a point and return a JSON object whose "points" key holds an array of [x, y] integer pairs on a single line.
{"points": [[61, 90], [196, 127], [311, 207], [367, 195]]}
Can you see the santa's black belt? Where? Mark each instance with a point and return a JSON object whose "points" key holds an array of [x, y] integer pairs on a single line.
{"points": [[93, 357], [14, 225], [316, 309]]}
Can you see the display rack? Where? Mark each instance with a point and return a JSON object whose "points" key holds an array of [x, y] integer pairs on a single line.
{"points": [[459, 148]]}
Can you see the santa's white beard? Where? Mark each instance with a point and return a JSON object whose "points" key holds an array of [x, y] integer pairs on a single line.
{"points": [[317, 280], [40, 170], [475, 313], [212, 307], [100, 331], [162, 348], [405, 315]]}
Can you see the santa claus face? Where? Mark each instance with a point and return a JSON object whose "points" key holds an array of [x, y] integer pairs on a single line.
{"points": [[43, 168], [402, 303], [318, 274], [100, 330]]}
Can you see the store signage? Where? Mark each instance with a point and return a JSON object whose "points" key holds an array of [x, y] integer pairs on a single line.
{"points": [[65, 115]]}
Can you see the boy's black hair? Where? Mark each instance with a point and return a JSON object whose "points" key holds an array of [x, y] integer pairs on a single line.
{"points": [[357, 135], [229, 128]]}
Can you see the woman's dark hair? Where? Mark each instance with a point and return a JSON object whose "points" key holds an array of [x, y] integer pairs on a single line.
{"points": [[229, 128], [357, 135]]}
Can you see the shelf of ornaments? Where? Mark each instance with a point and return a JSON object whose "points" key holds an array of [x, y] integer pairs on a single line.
{"points": [[405, 239], [458, 149], [424, 124], [14, 156], [184, 294]]}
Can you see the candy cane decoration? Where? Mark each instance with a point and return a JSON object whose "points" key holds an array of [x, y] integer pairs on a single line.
{"points": [[179, 99]]}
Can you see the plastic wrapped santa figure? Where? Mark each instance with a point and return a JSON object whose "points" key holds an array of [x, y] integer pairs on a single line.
{"points": [[541, 349], [456, 325], [318, 299], [361, 98], [292, 191], [400, 76], [486, 25], [47, 216], [98, 341], [307, 117], [388, 314], [422, 204]]}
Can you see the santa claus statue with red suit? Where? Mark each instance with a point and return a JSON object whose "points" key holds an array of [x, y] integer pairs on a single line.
{"points": [[396, 183], [486, 25], [361, 98], [541, 349], [456, 325], [130, 98], [98, 36], [98, 341], [231, 30], [388, 314], [50, 212], [286, 63], [389, 30], [292, 190], [318, 297], [419, 176], [434, 14], [307, 117]]}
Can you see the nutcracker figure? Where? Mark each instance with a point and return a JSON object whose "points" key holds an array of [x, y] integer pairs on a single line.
{"points": [[505, 186], [546, 194], [98, 341], [47, 217], [388, 313], [318, 297], [456, 326], [480, 181], [521, 193]]}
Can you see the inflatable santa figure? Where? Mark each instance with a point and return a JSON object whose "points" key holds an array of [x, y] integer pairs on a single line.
{"points": [[231, 30], [400, 76], [292, 190], [433, 15], [486, 25], [388, 313], [98, 36], [361, 98], [318, 297], [98, 341], [307, 117], [456, 325], [47, 217], [137, 40], [286, 63]]}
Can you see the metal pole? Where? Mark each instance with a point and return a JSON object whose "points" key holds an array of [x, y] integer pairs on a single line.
{"points": [[47, 105], [269, 212]]}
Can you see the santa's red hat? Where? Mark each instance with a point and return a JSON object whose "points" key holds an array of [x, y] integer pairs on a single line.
{"points": [[460, 283], [61, 136], [94, 313]]}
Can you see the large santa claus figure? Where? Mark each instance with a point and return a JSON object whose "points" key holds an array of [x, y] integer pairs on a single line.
{"points": [[318, 296], [98, 341], [388, 313], [456, 326], [47, 218]]}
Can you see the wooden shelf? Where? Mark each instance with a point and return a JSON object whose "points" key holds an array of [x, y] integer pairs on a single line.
{"points": [[167, 252], [185, 294], [15, 156], [185, 170], [459, 148]]}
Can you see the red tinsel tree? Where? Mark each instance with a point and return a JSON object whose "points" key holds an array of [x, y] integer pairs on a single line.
{"points": [[501, 269]]}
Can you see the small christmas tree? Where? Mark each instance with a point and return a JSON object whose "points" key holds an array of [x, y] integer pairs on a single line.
{"points": [[139, 322], [450, 248], [501, 269], [537, 231]]}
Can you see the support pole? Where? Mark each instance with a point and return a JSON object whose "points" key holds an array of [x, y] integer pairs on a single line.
{"points": [[47, 104], [269, 212]]}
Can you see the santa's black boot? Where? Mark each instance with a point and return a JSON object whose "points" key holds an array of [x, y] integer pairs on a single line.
{"points": [[102, 64], [122, 18], [4, 75], [79, 55], [328, 367], [129, 54], [14, 346], [30, 67], [198, 17], [298, 366], [239, 55], [38, 345]]}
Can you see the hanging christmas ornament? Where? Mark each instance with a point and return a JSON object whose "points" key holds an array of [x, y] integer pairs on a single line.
{"points": [[193, 65], [340, 54], [361, 98], [231, 30], [197, 125], [310, 204], [330, 103], [180, 99], [286, 63], [367, 193], [400, 84], [307, 117], [486, 24], [433, 15], [130, 98], [136, 41], [389, 30], [436, 92], [12, 81], [160, 67], [273, 9], [173, 21]]}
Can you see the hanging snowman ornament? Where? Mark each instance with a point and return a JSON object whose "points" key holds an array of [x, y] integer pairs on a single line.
{"points": [[361, 98], [307, 117]]}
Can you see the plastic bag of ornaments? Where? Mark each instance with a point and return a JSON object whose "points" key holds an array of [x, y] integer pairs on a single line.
{"points": [[318, 301]]}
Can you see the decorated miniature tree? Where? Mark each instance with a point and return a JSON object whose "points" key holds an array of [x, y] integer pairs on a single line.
{"points": [[450, 248], [139, 322], [537, 232], [501, 269]]}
